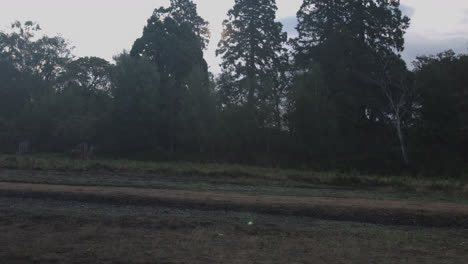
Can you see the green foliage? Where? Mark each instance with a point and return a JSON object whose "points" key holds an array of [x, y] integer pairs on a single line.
{"points": [[33, 54], [347, 41], [347, 101], [173, 41], [254, 78], [378, 24], [82, 100], [136, 102], [228, 177], [253, 53], [442, 133], [33, 63], [317, 131], [185, 12]]}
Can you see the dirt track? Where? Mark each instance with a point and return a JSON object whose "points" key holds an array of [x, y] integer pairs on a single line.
{"points": [[360, 210]]}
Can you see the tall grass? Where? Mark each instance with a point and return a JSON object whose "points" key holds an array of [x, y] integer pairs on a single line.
{"points": [[58, 163]]}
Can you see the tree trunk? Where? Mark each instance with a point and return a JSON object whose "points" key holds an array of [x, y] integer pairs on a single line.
{"points": [[402, 142]]}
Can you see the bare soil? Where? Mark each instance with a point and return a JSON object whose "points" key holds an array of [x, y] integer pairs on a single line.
{"points": [[61, 231], [387, 212], [83, 224]]}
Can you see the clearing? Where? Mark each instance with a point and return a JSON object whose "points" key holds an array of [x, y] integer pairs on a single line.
{"points": [[175, 215]]}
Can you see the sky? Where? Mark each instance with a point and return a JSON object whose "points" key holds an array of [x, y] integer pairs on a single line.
{"points": [[104, 28]]}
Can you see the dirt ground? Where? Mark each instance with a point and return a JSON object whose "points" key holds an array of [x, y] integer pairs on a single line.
{"points": [[54, 231], [393, 212], [73, 224]]}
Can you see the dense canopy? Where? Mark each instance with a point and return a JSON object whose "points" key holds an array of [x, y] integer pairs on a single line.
{"points": [[338, 96]]}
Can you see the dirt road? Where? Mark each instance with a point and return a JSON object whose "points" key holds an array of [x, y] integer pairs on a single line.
{"points": [[391, 212]]}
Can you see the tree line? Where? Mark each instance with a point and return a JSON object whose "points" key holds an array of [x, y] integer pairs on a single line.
{"points": [[337, 96]]}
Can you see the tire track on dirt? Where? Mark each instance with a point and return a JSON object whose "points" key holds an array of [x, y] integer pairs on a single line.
{"points": [[386, 212]]}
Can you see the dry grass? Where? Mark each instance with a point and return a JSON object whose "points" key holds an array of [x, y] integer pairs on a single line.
{"points": [[59, 232], [58, 163], [142, 173]]}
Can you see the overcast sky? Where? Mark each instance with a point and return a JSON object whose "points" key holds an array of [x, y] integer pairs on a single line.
{"points": [[104, 28]]}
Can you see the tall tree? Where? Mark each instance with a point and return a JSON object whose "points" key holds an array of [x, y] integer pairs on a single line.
{"points": [[35, 62], [82, 100], [348, 39], [253, 52], [318, 21], [175, 47], [185, 12], [399, 96], [312, 116], [32, 52], [442, 135], [90, 74], [136, 115], [13, 99], [378, 24]]}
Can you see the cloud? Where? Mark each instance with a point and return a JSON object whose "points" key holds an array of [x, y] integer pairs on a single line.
{"points": [[465, 19], [418, 45]]}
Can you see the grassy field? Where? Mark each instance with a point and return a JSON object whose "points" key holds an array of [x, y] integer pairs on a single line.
{"points": [[61, 227], [227, 177], [47, 231]]}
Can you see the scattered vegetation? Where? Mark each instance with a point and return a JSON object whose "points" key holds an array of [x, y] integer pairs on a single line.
{"points": [[226, 173], [70, 232]]}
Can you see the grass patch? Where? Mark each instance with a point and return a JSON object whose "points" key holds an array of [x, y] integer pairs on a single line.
{"points": [[206, 175]]}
